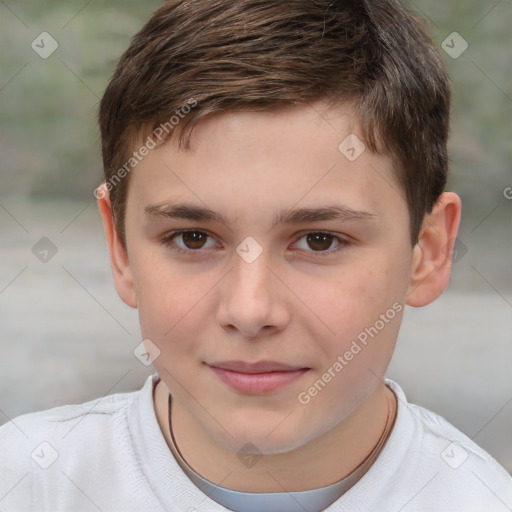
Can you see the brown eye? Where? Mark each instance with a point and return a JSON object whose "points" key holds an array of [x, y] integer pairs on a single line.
{"points": [[190, 240], [194, 239], [319, 241]]}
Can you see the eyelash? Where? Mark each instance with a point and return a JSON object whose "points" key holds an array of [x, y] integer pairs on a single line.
{"points": [[168, 241]]}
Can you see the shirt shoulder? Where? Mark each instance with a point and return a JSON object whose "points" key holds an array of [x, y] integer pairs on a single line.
{"points": [[453, 469], [456, 447], [59, 422], [39, 449], [107, 454]]}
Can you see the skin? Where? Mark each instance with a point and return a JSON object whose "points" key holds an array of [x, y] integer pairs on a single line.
{"points": [[293, 304]]}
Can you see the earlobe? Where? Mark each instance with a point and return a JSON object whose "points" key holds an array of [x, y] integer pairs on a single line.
{"points": [[119, 261], [432, 255]]}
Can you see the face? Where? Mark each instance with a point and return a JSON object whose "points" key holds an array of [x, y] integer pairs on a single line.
{"points": [[265, 244]]}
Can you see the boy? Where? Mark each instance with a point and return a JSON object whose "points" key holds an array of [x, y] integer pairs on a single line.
{"points": [[273, 199]]}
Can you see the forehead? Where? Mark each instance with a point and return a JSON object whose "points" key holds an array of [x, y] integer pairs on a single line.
{"points": [[268, 160]]}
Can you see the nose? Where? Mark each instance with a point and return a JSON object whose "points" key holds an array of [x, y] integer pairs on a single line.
{"points": [[252, 300]]}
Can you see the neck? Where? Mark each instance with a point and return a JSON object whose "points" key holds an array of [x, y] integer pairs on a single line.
{"points": [[311, 466]]}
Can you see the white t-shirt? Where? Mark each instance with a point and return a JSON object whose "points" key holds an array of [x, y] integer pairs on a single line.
{"points": [[110, 455]]}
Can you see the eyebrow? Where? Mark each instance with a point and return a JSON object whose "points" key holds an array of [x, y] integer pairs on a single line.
{"points": [[335, 212], [288, 216], [183, 211]]}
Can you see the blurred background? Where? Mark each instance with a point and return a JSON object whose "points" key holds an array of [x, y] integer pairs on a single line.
{"points": [[66, 337]]}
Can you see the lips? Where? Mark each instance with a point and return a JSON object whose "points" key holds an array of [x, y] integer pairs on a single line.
{"points": [[260, 367], [256, 378]]}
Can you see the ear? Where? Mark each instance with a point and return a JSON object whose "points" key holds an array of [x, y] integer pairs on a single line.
{"points": [[119, 261], [432, 255]]}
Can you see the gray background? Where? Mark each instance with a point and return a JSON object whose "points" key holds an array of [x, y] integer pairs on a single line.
{"points": [[66, 336]]}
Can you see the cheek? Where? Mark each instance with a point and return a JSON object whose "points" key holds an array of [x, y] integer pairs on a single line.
{"points": [[174, 313], [360, 311], [171, 299], [352, 298], [357, 360]]}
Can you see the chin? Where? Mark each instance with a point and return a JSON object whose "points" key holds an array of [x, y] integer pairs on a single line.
{"points": [[268, 438]]}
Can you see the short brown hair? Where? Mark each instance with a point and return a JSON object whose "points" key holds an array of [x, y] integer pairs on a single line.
{"points": [[230, 55]]}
